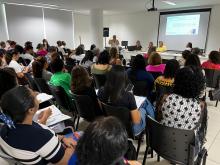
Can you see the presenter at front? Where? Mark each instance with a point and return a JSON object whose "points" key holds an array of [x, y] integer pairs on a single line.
{"points": [[114, 42], [162, 47]]}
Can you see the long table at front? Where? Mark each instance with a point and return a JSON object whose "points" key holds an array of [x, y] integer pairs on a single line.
{"points": [[166, 55]]}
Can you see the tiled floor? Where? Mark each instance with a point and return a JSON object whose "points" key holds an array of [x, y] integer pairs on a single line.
{"points": [[213, 139]]}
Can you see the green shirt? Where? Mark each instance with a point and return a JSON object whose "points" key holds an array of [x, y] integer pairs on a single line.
{"points": [[62, 79]]}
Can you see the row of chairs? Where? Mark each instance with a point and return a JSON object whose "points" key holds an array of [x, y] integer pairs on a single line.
{"points": [[81, 106]]}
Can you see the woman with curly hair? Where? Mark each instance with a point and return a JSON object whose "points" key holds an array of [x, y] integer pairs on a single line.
{"points": [[182, 109]]}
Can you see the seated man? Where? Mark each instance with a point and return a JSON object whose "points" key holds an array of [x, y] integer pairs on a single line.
{"points": [[60, 78], [162, 47]]}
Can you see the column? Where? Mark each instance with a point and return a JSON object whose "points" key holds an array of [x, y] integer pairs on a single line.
{"points": [[97, 27]]}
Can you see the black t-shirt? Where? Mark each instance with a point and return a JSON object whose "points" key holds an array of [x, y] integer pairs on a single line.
{"points": [[126, 100]]}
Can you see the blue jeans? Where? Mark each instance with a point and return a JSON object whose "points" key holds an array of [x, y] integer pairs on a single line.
{"points": [[145, 109]]}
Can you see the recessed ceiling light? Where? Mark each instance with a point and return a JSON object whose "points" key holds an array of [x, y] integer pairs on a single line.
{"points": [[170, 3]]}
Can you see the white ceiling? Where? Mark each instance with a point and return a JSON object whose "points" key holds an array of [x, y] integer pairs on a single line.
{"points": [[118, 6]]}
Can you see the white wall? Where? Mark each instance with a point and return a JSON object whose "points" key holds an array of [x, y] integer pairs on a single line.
{"points": [[141, 26], [214, 30], [25, 24], [3, 29], [58, 26], [82, 29]]}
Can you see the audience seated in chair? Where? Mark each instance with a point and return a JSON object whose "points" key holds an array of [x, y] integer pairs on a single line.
{"points": [[60, 78], [102, 66], [213, 62], [185, 55], [40, 50], [8, 81], [18, 135], [193, 60], [12, 57], [114, 57], [183, 109], [155, 63], [137, 72], [82, 84], [87, 61], [3, 63], [114, 93], [39, 69], [164, 84], [104, 141]]}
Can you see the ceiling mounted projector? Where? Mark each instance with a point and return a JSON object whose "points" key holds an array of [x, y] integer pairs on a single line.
{"points": [[153, 8]]}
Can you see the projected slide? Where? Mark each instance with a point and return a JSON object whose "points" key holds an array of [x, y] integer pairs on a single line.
{"points": [[183, 25]]}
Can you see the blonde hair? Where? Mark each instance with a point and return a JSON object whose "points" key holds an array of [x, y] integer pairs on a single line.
{"points": [[155, 59]]}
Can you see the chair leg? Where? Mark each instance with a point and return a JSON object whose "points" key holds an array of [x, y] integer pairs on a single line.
{"points": [[204, 159], [158, 158], [145, 156], [216, 103], [139, 144], [77, 124], [152, 153]]}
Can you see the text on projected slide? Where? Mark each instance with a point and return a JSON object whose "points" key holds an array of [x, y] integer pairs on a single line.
{"points": [[183, 25]]}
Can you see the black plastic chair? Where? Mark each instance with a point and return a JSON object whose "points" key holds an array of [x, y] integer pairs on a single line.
{"points": [[42, 86], [212, 79], [85, 108], [123, 114], [174, 145], [63, 101], [99, 80], [31, 82], [162, 90], [156, 74], [70, 63]]}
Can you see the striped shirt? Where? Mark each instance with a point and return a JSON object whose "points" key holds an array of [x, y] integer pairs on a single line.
{"points": [[31, 144]]}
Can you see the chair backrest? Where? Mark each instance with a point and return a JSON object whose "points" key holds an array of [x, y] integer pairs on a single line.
{"points": [[156, 74], [161, 90], [99, 80], [212, 78], [31, 82], [123, 114], [85, 107], [141, 88], [172, 144], [62, 99], [42, 85]]}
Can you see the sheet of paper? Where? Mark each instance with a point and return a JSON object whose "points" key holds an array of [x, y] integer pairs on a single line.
{"points": [[139, 100], [56, 117], [42, 97]]}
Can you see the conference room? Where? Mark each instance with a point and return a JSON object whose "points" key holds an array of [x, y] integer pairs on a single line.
{"points": [[99, 82]]}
